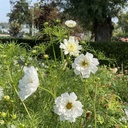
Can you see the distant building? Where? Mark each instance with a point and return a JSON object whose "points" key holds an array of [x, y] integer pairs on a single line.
{"points": [[4, 30]]}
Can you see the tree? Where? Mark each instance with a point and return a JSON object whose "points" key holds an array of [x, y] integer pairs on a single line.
{"points": [[95, 15], [19, 15], [14, 28], [45, 12], [123, 22], [20, 12]]}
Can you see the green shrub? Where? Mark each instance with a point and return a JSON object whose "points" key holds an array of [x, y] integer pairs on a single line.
{"points": [[117, 51], [29, 42], [108, 53]]}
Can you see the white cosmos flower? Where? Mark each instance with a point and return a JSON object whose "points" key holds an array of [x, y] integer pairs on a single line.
{"points": [[29, 83], [67, 107], [1, 92], [71, 46], [70, 23], [85, 64]]}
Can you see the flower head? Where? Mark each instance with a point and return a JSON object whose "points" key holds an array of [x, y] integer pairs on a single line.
{"points": [[71, 46], [70, 23], [85, 64], [29, 83], [67, 107], [1, 92]]}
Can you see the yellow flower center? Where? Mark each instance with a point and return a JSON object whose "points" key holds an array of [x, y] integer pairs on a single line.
{"points": [[71, 48], [84, 63], [70, 24], [69, 105]]}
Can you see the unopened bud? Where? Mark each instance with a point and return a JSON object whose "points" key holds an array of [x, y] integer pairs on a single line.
{"points": [[33, 51], [58, 21], [14, 116], [46, 24], [3, 114], [46, 56], [2, 122], [6, 97]]}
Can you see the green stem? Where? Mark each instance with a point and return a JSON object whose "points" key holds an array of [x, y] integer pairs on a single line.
{"points": [[71, 125], [86, 89], [48, 92], [22, 102], [62, 55], [18, 95], [53, 94], [94, 105], [26, 109], [54, 54], [61, 126], [93, 101]]}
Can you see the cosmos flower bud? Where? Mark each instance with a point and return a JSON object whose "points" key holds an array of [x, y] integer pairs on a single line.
{"points": [[46, 56], [6, 97], [3, 114]]}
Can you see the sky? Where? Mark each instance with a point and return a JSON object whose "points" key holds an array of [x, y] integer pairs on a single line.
{"points": [[5, 8]]}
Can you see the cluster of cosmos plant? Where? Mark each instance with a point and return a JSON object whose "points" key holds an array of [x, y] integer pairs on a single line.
{"points": [[66, 106]]}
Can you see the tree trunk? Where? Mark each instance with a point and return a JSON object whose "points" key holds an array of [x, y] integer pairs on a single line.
{"points": [[103, 32]]}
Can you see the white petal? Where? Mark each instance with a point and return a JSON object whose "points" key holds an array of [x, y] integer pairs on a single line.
{"points": [[73, 96], [95, 61], [29, 82], [94, 69], [62, 46], [89, 55], [76, 72]]}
